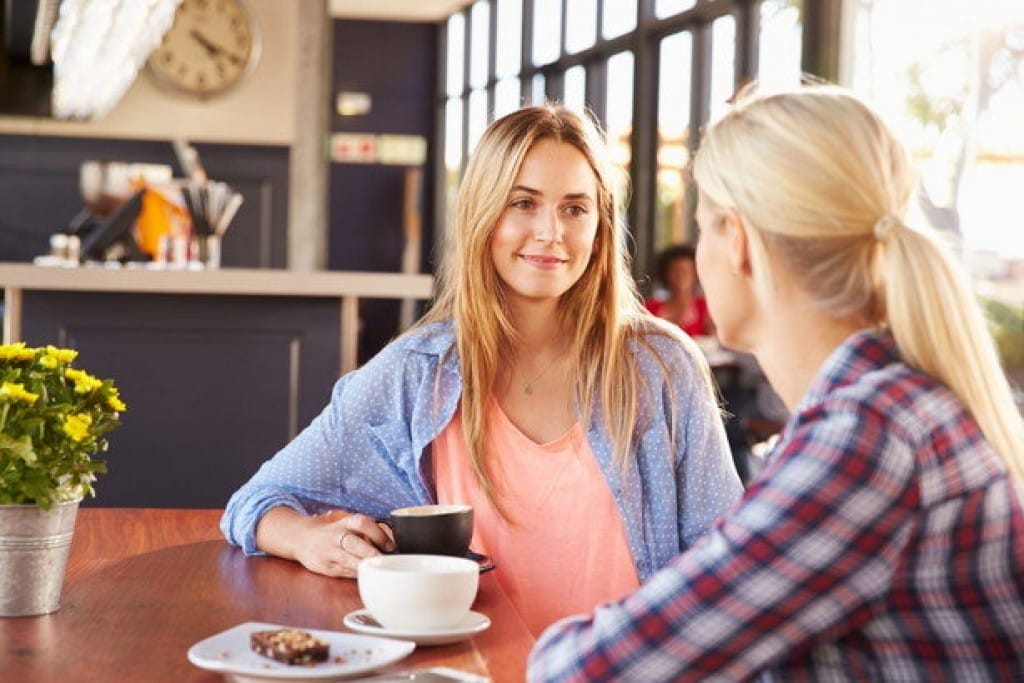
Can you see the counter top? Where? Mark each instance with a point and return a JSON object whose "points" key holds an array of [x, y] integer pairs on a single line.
{"points": [[346, 286], [239, 281]]}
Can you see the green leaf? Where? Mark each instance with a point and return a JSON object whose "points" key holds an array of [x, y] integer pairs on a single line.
{"points": [[19, 448]]}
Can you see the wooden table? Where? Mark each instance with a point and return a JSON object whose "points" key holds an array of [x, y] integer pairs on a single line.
{"points": [[144, 585]]}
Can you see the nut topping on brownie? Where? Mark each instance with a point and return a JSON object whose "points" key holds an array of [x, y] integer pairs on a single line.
{"points": [[290, 646]]}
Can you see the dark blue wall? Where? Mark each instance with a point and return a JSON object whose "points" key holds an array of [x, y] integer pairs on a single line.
{"points": [[396, 64]]}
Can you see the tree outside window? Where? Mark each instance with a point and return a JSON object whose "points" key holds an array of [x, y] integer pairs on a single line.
{"points": [[950, 79]]}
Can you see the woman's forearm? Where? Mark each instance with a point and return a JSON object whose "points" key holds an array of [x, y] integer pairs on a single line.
{"points": [[331, 544], [281, 529]]}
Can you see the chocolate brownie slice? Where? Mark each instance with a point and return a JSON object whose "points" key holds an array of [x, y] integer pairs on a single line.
{"points": [[290, 646]]}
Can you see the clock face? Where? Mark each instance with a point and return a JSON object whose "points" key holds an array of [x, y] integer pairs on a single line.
{"points": [[211, 46]]}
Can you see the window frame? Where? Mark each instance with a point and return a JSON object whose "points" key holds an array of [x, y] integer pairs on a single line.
{"points": [[820, 42]]}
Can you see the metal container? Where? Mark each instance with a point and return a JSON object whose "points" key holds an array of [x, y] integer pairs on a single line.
{"points": [[34, 546]]}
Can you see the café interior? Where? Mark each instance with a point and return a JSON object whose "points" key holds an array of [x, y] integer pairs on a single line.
{"points": [[338, 164], [226, 218]]}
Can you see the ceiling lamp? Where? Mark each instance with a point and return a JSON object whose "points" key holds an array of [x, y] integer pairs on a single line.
{"points": [[98, 47]]}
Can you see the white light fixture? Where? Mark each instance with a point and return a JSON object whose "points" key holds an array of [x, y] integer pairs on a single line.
{"points": [[353, 103], [98, 48]]}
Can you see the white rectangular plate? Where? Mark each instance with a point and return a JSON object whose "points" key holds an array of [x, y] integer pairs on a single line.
{"points": [[228, 652]]}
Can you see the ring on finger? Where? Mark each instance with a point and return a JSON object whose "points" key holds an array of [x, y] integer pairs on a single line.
{"points": [[341, 539]]}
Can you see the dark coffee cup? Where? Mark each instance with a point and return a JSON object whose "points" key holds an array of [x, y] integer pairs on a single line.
{"points": [[433, 529]]}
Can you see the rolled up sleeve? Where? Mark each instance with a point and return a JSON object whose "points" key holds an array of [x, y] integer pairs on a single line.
{"points": [[357, 455]]}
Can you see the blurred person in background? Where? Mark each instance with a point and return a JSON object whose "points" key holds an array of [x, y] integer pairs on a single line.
{"points": [[678, 300]]}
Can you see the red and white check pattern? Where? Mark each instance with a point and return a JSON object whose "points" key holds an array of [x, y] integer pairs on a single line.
{"points": [[883, 541]]}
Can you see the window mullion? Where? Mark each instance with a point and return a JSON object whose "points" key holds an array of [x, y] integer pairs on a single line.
{"points": [[467, 46], [821, 37], [597, 89], [700, 109], [492, 57], [645, 143], [440, 183], [748, 22], [526, 70], [564, 40], [554, 86]]}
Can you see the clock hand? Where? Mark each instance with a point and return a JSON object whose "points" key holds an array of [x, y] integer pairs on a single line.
{"points": [[213, 49]]}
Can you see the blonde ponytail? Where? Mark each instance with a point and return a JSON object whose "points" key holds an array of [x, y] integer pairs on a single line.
{"points": [[822, 184], [940, 329]]}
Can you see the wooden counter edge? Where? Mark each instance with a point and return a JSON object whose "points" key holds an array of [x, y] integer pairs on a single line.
{"points": [[237, 281]]}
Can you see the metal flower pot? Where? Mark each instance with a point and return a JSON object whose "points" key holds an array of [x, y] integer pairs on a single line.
{"points": [[34, 547]]}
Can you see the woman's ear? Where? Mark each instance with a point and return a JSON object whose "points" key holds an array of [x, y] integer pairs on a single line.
{"points": [[739, 243]]}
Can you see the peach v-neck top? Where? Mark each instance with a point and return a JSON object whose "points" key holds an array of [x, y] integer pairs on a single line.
{"points": [[565, 550]]}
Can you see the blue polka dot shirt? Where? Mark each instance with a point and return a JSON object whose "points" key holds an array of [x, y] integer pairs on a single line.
{"points": [[368, 451]]}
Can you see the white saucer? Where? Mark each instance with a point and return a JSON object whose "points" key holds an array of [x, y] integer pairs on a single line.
{"points": [[228, 653], [473, 623]]}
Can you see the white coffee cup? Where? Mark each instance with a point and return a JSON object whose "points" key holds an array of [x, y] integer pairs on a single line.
{"points": [[418, 592]]}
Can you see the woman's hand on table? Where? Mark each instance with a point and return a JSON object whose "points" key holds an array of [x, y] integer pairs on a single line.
{"points": [[331, 544]]}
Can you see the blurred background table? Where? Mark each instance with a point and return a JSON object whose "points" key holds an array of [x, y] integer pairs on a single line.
{"points": [[144, 585], [754, 412]]}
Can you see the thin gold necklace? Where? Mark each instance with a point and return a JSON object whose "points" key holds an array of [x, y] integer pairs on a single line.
{"points": [[528, 386]]}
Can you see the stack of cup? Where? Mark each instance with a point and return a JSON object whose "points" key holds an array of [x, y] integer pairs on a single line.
{"points": [[429, 585]]}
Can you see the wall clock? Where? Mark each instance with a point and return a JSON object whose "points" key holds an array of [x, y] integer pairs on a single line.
{"points": [[210, 48]]}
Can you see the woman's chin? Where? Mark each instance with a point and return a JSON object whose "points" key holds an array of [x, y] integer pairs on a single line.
{"points": [[537, 292], [733, 340]]}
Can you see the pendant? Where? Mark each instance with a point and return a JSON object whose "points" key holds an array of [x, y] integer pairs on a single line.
{"points": [[528, 390]]}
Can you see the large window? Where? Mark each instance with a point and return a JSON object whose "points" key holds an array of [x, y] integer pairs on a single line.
{"points": [[673, 154], [576, 88], [652, 73], [619, 112], [723, 64], [953, 88], [779, 44], [581, 29], [778, 31]]}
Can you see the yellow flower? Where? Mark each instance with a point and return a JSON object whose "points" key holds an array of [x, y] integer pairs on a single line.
{"points": [[49, 362], [117, 404], [9, 351], [63, 355], [84, 382], [77, 426], [17, 392], [16, 351]]}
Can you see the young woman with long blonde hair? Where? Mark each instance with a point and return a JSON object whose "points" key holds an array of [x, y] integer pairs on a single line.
{"points": [[884, 540], [584, 432]]}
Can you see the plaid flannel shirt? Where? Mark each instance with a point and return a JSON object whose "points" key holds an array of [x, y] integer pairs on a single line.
{"points": [[883, 541]]}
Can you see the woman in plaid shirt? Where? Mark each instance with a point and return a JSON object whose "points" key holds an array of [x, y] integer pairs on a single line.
{"points": [[884, 539]]}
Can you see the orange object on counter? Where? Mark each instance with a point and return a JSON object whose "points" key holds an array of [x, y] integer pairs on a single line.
{"points": [[159, 217]]}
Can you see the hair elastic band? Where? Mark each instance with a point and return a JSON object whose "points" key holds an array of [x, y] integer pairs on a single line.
{"points": [[884, 226]]}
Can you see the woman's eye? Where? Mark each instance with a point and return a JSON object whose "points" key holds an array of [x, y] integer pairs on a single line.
{"points": [[576, 210], [523, 203]]}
